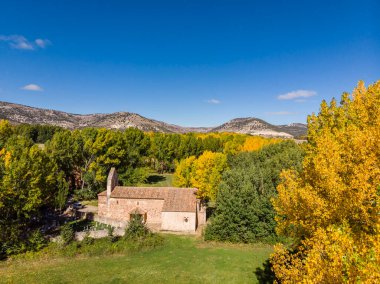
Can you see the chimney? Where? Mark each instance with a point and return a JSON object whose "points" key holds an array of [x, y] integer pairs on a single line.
{"points": [[112, 181]]}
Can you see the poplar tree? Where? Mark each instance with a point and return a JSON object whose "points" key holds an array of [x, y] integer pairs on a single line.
{"points": [[332, 207]]}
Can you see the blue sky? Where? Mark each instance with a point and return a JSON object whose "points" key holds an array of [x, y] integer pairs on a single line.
{"points": [[192, 63]]}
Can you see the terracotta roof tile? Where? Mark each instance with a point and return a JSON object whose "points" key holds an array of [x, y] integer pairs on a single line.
{"points": [[175, 199]]}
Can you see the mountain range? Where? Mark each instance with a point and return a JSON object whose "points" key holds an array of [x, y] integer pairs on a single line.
{"points": [[18, 114]]}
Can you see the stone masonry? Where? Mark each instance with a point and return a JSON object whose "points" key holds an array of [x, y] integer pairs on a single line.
{"points": [[162, 208]]}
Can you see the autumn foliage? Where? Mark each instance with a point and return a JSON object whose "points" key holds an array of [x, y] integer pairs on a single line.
{"points": [[255, 143], [332, 207], [203, 173]]}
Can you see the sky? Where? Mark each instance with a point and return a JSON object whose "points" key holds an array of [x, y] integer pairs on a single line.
{"points": [[191, 63]]}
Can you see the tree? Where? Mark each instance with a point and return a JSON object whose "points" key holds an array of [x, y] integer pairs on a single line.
{"points": [[28, 183], [62, 193], [332, 207], [38, 133], [5, 132], [207, 174], [203, 173], [244, 212], [64, 151], [254, 143], [184, 172]]}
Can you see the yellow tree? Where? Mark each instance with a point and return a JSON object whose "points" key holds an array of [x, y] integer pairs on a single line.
{"points": [[255, 143], [183, 172], [5, 131], [332, 208], [203, 173], [207, 174]]}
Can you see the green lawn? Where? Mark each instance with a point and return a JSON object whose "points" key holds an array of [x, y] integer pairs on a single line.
{"points": [[93, 202], [180, 260], [158, 180]]}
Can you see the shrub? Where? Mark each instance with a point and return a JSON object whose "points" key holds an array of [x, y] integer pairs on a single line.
{"points": [[110, 231], [87, 240], [67, 233], [36, 241], [136, 228], [111, 237]]}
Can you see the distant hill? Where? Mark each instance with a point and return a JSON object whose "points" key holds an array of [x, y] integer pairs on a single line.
{"points": [[256, 126], [295, 129], [18, 114]]}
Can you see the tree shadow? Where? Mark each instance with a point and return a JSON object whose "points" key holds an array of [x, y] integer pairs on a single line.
{"points": [[210, 211], [265, 275], [155, 179]]}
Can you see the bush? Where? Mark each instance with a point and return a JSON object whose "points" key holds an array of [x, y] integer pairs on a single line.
{"points": [[87, 240], [36, 241], [110, 231], [136, 228], [67, 233], [31, 241]]}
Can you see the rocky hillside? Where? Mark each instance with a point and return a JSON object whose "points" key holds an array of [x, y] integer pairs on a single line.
{"points": [[17, 114], [295, 129], [255, 126]]}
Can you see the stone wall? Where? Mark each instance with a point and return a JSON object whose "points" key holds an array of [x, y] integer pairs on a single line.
{"points": [[79, 236], [112, 181], [178, 221], [119, 209], [114, 223], [201, 213], [102, 205], [117, 214]]}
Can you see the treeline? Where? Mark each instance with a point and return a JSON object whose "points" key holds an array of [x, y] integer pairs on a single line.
{"points": [[85, 156], [41, 165]]}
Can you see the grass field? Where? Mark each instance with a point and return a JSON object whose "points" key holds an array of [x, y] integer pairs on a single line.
{"points": [[158, 180], [179, 260]]}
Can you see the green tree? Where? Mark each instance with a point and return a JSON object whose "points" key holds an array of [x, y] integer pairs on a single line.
{"points": [[244, 212], [62, 193], [64, 151], [28, 183]]}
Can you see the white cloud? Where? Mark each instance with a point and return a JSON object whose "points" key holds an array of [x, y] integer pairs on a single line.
{"points": [[42, 42], [21, 42], [213, 101], [281, 113], [32, 87], [297, 94]]}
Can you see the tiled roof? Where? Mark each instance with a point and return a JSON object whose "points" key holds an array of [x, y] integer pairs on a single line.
{"points": [[175, 199]]}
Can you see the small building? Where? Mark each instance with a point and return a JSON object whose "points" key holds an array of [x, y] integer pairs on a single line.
{"points": [[161, 208]]}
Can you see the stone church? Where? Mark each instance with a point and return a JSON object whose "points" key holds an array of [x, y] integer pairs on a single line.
{"points": [[161, 208]]}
